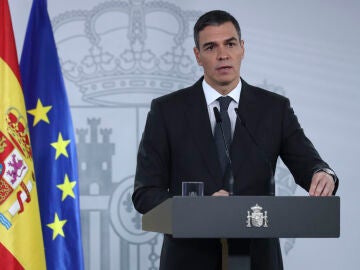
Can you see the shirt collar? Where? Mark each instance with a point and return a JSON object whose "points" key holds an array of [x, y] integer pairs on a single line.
{"points": [[211, 94]]}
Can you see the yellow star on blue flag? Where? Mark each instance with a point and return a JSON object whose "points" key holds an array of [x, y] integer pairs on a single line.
{"points": [[60, 146], [57, 226], [67, 188], [40, 113]]}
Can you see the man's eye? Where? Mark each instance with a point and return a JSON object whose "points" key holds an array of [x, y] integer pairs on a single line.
{"points": [[209, 48], [231, 44]]}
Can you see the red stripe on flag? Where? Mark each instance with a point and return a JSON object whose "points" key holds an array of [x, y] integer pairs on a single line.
{"points": [[7, 40], [8, 261]]}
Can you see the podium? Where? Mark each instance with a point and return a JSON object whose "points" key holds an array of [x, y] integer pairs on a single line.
{"points": [[246, 217]]}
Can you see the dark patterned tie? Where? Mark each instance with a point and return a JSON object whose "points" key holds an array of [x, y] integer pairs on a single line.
{"points": [[219, 141]]}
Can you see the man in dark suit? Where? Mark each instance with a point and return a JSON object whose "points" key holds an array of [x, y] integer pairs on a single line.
{"points": [[179, 144]]}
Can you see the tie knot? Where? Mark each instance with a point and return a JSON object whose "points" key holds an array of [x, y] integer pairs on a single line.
{"points": [[224, 103]]}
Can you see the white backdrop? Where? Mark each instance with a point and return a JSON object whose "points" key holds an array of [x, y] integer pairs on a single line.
{"points": [[306, 50]]}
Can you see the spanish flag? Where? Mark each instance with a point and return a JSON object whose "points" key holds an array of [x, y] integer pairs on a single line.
{"points": [[21, 241]]}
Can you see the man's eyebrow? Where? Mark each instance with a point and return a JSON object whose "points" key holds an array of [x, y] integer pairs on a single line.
{"points": [[213, 42], [208, 44], [231, 39]]}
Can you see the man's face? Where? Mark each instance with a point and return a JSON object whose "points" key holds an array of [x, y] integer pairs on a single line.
{"points": [[220, 53]]}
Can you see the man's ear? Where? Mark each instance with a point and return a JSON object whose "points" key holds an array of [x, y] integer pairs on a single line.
{"points": [[242, 46], [197, 55]]}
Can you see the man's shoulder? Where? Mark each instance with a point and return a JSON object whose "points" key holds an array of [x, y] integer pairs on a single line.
{"points": [[179, 96], [256, 90], [174, 96], [259, 92]]}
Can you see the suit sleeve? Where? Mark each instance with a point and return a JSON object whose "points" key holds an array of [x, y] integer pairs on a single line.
{"points": [[152, 170], [297, 151]]}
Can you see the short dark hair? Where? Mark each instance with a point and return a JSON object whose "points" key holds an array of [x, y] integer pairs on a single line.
{"points": [[214, 17]]}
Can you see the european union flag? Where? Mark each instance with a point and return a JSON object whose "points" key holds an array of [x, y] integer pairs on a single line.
{"points": [[53, 143]]}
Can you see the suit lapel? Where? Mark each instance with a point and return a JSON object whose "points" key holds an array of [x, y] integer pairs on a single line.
{"points": [[246, 110], [199, 124]]}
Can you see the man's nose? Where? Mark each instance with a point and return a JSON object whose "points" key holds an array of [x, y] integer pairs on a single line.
{"points": [[222, 54]]}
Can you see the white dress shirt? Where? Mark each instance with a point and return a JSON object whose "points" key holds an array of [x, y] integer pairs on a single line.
{"points": [[211, 96]]}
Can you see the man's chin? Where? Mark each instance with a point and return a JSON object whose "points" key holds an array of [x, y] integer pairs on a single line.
{"points": [[223, 82], [226, 82]]}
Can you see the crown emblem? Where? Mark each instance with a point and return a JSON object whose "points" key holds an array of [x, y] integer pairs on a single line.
{"points": [[256, 209], [120, 52], [18, 131]]}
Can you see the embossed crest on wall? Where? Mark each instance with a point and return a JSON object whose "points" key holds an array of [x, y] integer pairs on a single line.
{"points": [[116, 57]]}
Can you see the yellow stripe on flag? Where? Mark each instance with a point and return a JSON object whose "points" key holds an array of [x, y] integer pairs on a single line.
{"points": [[20, 228]]}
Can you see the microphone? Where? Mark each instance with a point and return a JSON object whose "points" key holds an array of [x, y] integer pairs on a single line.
{"points": [[227, 153], [262, 153]]}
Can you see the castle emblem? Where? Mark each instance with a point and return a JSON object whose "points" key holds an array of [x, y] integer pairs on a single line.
{"points": [[257, 218]]}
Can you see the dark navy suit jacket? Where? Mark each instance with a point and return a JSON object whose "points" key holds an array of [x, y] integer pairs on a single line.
{"points": [[178, 145]]}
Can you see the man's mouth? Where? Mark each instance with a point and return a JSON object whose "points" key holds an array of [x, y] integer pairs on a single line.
{"points": [[223, 68]]}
